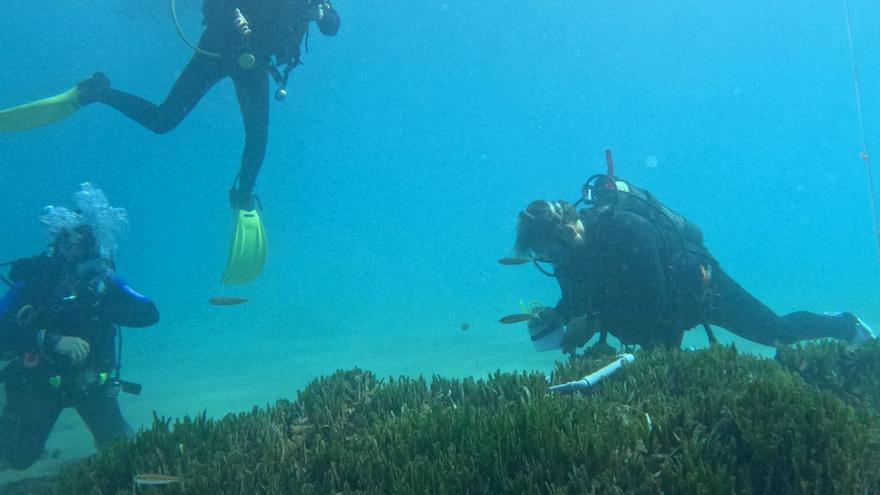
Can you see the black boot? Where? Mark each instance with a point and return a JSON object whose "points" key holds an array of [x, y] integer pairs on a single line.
{"points": [[242, 199], [92, 89]]}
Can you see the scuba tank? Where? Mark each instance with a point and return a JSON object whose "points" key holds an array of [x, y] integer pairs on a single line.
{"points": [[690, 264], [603, 190], [608, 191]]}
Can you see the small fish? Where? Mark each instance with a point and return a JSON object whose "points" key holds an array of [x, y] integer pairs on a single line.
{"points": [[227, 300], [514, 318], [155, 479], [465, 326], [513, 261]]}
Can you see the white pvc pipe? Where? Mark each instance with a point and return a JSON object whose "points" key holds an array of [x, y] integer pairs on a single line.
{"points": [[595, 377]]}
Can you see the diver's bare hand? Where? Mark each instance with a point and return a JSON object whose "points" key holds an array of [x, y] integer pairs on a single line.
{"points": [[74, 348]]}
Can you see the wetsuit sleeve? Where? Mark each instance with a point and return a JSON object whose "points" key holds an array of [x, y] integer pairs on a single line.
{"points": [[291, 28], [564, 308], [329, 24], [637, 240], [127, 307], [14, 337], [574, 294], [11, 336]]}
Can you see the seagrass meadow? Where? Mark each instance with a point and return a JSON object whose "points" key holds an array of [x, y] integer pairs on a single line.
{"points": [[712, 421]]}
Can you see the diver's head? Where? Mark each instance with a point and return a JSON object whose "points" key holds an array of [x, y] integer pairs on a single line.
{"points": [[78, 253], [547, 229], [85, 237], [76, 245]]}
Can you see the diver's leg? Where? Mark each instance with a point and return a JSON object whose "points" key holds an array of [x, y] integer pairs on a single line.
{"points": [[252, 89], [30, 413], [200, 74], [734, 309], [101, 414]]}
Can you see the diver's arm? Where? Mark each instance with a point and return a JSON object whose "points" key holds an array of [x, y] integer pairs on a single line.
{"points": [[12, 338], [329, 24], [574, 292], [15, 337], [292, 24], [639, 246], [127, 307], [562, 310]]}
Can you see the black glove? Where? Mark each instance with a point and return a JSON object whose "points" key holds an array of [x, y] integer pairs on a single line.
{"points": [[314, 11], [578, 332], [543, 319]]}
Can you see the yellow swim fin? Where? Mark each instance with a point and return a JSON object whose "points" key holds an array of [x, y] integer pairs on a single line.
{"points": [[41, 112], [247, 252]]}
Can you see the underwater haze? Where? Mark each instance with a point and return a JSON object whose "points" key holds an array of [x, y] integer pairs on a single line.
{"points": [[407, 146]]}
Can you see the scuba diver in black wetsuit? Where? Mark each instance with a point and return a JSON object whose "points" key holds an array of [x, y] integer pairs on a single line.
{"points": [[59, 320], [240, 39], [632, 267]]}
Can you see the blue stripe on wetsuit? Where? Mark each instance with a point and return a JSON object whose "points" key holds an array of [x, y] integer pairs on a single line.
{"points": [[123, 285], [10, 298]]}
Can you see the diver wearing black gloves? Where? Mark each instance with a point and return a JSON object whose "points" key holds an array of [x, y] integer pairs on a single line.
{"points": [[59, 321], [631, 267]]}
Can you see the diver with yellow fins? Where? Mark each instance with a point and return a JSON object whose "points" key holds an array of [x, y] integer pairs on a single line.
{"points": [[240, 40]]}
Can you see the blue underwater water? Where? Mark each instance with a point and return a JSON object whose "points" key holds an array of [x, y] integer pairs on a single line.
{"points": [[406, 147]]}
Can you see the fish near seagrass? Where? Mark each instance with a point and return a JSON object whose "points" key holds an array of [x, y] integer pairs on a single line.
{"points": [[227, 300], [151, 479]]}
